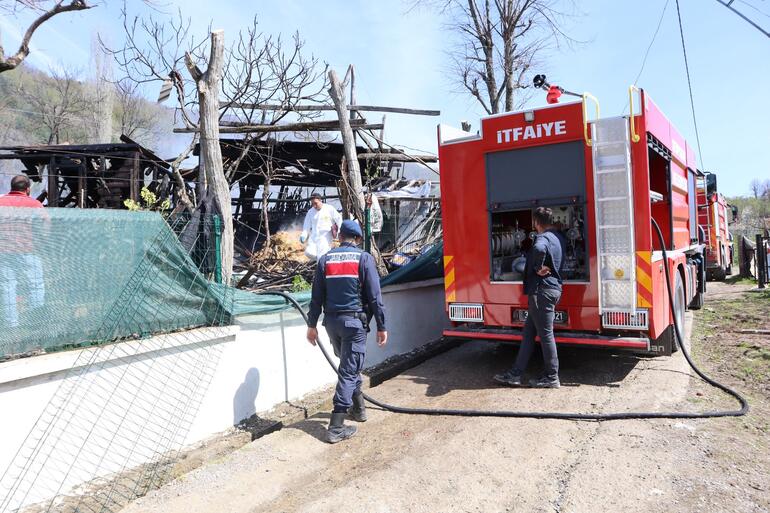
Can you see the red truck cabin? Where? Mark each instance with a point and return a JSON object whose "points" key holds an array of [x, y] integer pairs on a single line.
{"points": [[604, 188], [714, 220]]}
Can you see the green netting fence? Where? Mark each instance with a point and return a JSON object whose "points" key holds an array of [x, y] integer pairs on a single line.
{"points": [[72, 277]]}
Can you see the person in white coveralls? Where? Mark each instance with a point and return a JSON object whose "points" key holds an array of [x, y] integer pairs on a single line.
{"points": [[320, 227]]}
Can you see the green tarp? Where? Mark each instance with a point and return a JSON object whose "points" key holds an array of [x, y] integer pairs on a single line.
{"points": [[73, 277], [430, 264]]}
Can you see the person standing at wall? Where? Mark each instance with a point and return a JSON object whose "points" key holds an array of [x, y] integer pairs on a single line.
{"points": [[18, 260], [321, 224]]}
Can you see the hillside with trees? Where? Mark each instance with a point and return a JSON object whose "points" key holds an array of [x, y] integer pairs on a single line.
{"points": [[60, 108], [753, 211]]}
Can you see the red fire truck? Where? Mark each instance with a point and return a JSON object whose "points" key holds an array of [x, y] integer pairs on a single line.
{"points": [[605, 180], [713, 219]]}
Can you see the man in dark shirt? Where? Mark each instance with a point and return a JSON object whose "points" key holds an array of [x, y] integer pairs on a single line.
{"points": [[346, 284], [542, 285]]}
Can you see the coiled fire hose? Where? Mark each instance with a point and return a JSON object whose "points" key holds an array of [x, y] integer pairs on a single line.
{"points": [[566, 415]]}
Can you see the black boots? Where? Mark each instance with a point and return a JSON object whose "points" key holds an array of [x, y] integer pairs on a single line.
{"points": [[357, 412], [545, 382], [509, 377], [338, 431]]}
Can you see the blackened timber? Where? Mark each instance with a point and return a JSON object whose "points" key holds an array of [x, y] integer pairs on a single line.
{"points": [[134, 184], [82, 185], [398, 157], [53, 183], [314, 126], [146, 153], [312, 108]]}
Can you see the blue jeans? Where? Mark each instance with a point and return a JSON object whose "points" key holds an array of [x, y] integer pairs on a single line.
{"points": [[14, 266], [348, 338], [540, 315]]}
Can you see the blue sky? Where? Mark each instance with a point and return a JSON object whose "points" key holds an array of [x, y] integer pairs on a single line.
{"points": [[400, 60]]}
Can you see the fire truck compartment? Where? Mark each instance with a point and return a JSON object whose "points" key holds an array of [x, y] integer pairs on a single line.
{"points": [[520, 180]]}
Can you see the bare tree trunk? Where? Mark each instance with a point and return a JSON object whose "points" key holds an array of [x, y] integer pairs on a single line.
{"points": [[218, 190], [179, 185], [352, 170]]}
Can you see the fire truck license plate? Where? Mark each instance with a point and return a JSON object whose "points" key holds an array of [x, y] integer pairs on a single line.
{"points": [[559, 317]]}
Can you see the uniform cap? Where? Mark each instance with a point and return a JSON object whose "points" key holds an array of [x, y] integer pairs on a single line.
{"points": [[351, 228]]}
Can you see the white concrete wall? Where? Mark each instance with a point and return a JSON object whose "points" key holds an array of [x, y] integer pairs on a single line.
{"points": [[262, 361], [414, 316], [271, 361]]}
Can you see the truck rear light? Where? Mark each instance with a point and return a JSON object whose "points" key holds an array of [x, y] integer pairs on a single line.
{"points": [[466, 312], [623, 319]]}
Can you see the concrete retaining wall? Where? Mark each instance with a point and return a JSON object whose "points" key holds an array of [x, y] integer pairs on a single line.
{"points": [[263, 361], [271, 361]]}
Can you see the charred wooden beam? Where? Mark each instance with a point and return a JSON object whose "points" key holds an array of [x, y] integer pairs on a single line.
{"points": [[318, 108], [146, 153], [398, 157], [135, 178], [316, 126], [53, 183]]}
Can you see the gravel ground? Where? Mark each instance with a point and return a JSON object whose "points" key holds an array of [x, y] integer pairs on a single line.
{"points": [[426, 464]]}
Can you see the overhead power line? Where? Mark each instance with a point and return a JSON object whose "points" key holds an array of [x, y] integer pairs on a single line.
{"points": [[728, 4], [689, 85], [649, 47]]}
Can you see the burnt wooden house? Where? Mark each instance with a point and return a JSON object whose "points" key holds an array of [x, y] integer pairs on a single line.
{"points": [[295, 170], [89, 175]]}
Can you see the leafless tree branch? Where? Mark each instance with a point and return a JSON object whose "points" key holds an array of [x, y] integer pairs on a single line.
{"points": [[12, 61], [498, 42]]}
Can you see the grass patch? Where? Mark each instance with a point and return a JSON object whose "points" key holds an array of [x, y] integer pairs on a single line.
{"points": [[739, 280], [718, 343]]}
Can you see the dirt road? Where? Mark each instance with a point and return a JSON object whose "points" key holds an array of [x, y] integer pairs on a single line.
{"points": [[427, 464]]}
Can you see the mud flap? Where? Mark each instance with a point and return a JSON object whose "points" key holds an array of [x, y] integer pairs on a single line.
{"points": [[664, 344]]}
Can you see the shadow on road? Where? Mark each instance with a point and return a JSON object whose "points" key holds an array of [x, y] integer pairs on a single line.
{"points": [[471, 367], [314, 426]]}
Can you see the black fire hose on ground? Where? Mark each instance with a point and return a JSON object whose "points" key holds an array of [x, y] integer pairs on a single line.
{"points": [[559, 415]]}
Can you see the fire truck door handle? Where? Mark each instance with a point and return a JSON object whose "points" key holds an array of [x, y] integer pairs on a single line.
{"points": [[587, 96], [634, 136]]}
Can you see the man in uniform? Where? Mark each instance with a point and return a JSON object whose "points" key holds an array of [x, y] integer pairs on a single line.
{"points": [[347, 286], [542, 283]]}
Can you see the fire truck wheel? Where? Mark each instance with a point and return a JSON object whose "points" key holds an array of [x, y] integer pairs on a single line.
{"points": [[721, 273]]}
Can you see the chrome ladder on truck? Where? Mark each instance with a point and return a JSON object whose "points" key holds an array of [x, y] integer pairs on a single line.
{"points": [[616, 247]]}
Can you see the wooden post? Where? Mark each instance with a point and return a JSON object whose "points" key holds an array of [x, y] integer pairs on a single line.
{"points": [[382, 134], [134, 185], [82, 184], [218, 188], [53, 184]]}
